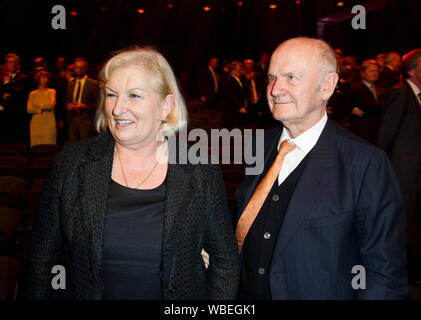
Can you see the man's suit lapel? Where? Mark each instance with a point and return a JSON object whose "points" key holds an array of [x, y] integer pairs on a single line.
{"points": [[317, 174], [70, 89], [413, 104], [368, 93]]}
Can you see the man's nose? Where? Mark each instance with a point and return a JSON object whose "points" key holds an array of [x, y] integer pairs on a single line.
{"points": [[277, 87]]}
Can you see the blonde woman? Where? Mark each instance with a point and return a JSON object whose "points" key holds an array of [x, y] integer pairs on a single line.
{"points": [[123, 221]]}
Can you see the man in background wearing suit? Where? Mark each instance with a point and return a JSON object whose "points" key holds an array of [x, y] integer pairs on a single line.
{"points": [[400, 136], [366, 103], [326, 204], [234, 95], [14, 88], [81, 102], [209, 83], [391, 72]]}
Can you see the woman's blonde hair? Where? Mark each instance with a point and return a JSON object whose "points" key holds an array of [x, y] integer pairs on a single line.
{"points": [[162, 79]]}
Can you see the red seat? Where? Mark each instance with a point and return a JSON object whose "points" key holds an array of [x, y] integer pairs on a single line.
{"points": [[12, 149], [9, 270]]}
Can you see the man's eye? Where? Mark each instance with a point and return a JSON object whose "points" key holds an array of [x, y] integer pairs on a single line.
{"points": [[291, 77], [133, 95]]}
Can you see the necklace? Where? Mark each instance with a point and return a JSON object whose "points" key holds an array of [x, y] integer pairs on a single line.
{"points": [[124, 175]]}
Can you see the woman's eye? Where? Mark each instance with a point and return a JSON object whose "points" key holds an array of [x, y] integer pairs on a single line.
{"points": [[133, 95], [109, 95]]}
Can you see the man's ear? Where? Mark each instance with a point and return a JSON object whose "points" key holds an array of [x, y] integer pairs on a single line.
{"points": [[167, 105], [329, 85]]}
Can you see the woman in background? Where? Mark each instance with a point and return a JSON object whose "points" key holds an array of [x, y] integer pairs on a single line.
{"points": [[41, 104]]}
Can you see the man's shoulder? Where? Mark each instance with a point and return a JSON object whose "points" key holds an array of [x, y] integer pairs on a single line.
{"points": [[400, 91], [91, 81], [350, 146]]}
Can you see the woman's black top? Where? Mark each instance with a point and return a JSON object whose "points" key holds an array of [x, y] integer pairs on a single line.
{"points": [[132, 243]]}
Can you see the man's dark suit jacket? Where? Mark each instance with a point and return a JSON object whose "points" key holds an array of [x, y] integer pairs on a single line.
{"points": [[206, 86], [89, 96], [14, 119], [400, 137], [346, 210], [233, 98], [69, 228], [367, 126]]}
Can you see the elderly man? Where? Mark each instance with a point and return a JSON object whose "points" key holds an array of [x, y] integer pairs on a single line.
{"points": [[325, 218]]}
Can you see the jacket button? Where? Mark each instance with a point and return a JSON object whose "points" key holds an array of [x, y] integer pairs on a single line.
{"points": [[275, 197], [172, 290], [262, 271], [267, 235]]}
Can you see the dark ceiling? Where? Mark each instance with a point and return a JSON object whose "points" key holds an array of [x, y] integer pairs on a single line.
{"points": [[188, 35]]}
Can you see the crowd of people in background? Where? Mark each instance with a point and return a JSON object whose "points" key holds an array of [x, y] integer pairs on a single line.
{"points": [[46, 105], [237, 89]]}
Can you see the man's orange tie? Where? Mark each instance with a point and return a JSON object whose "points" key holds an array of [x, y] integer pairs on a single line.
{"points": [[260, 194]]}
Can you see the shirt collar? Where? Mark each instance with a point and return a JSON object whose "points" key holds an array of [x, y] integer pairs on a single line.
{"points": [[368, 84], [82, 79], [414, 87], [308, 139], [235, 77]]}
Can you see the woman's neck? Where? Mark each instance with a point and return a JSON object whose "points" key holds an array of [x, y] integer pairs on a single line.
{"points": [[149, 152]]}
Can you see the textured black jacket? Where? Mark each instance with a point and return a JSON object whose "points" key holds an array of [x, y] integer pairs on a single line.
{"points": [[69, 228]]}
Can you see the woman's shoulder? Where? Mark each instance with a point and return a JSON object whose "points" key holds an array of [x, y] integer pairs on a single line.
{"points": [[74, 151], [100, 140]]}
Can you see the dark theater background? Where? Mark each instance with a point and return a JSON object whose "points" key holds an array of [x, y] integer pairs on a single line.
{"points": [[188, 33]]}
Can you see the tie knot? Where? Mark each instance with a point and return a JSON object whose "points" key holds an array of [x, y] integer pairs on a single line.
{"points": [[286, 147]]}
